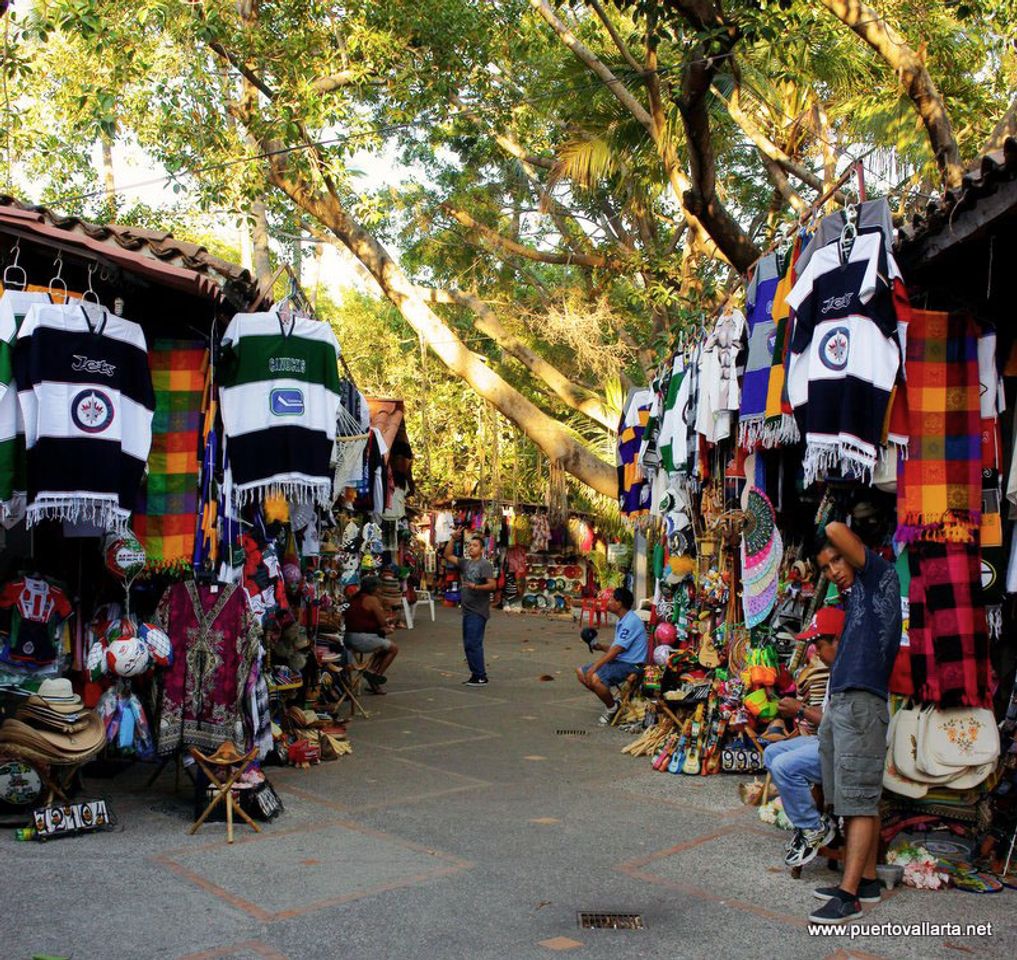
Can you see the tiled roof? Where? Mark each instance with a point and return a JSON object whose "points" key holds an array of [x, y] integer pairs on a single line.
{"points": [[152, 253], [987, 193]]}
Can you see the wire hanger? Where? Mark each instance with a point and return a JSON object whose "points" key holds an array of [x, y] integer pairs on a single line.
{"points": [[58, 280], [15, 268], [848, 233], [90, 296]]}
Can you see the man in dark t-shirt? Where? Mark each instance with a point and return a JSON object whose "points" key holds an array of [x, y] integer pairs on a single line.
{"points": [[852, 735], [477, 584]]}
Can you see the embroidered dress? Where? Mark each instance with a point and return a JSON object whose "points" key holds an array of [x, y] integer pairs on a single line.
{"points": [[86, 400], [844, 357], [280, 400], [215, 644]]}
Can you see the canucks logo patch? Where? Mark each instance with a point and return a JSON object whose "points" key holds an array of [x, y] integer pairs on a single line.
{"points": [[286, 402], [92, 411], [834, 348]]}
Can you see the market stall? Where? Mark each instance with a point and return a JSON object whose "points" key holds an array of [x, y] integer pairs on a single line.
{"points": [[841, 387], [190, 484], [543, 567]]}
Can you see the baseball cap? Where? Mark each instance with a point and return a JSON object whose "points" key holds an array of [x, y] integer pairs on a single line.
{"points": [[828, 622]]}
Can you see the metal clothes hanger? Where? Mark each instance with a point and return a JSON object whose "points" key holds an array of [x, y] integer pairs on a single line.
{"points": [[90, 296], [58, 279], [848, 233], [15, 269]]}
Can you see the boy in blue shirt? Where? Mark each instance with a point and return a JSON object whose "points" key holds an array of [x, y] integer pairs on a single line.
{"points": [[625, 656]]}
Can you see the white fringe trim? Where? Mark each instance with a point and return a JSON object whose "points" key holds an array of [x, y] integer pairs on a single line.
{"points": [[318, 492], [751, 431], [105, 513], [782, 433], [994, 619], [822, 457]]}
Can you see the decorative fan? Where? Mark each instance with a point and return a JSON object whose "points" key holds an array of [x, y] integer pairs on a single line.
{"points": [[761, 521]]}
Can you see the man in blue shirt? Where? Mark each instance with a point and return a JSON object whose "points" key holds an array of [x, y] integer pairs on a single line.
{"points": [[625, 656], [852, 735]]}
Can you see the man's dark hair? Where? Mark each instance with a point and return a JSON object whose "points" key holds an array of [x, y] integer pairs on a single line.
{"points": [[821, 543], [624, 597], [478, 538], [369, 585]]}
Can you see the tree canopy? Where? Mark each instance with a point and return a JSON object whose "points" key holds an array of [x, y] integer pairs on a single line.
{"points": [[584, 180]]}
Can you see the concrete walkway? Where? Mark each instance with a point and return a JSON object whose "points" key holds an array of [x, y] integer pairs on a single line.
{"points": [[469, 823]]}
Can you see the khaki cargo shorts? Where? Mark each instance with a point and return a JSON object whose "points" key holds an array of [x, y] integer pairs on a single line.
{"points": [[852, 751]]}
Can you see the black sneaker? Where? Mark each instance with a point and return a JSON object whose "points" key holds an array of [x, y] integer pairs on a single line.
{"points": [[838, 909], [805, 844], [476, 682], [868, 892]]}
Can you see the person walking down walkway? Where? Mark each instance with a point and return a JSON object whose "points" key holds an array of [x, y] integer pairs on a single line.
{"points": [[477, 583], [367, 629], [625, 656]]}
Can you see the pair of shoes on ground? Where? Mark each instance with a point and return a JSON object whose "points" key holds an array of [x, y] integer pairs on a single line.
{"points": [[476, 682], [375, 681], [608, 715], [840, 906], [805, 843]]}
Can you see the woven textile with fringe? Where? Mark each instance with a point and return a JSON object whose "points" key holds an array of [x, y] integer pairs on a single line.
{"points": [[164, 517], [940, 486]]}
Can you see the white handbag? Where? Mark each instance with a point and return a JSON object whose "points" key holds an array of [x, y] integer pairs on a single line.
{"points": [[959, 737], [905, 750], [893, 779], [973, 776]]}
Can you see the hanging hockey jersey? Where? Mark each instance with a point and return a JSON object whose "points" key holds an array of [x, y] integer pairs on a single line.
{"points": [[280, 398], [86, 400], [845, 356], [14, 305], [37, 612]]}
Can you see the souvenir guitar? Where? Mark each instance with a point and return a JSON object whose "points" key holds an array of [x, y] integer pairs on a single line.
{"points": [[660, 761], [691, 764], [678, 757], [713, 763], [712, 719]]}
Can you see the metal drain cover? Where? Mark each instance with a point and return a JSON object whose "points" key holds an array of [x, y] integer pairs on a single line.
{"points": [[611, 921], [571, 733]]}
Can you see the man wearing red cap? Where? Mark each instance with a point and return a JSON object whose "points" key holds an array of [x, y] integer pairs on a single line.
{"points": [[794, 763]]}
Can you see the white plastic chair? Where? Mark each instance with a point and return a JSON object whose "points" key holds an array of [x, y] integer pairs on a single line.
{"points": [[425, 596], [407, 613]]}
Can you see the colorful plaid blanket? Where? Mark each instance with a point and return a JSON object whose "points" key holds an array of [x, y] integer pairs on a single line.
{"points": [[164, 516], [940, 488], [949, 642]]}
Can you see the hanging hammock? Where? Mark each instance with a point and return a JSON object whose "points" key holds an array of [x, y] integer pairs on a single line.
{"points": [[350, 444]]}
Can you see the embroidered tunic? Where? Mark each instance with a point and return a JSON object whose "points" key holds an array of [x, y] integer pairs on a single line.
{"points": [[215, 643]]}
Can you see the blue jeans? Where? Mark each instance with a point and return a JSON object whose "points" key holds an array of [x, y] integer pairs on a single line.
{"points": [[795, 767], [473, 643]]}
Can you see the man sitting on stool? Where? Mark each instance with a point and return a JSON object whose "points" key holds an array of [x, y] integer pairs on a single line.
{"points": [[625, 656], [794, 763]]}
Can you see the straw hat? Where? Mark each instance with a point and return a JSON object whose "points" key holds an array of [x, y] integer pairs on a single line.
{"points": [[50, 743]]}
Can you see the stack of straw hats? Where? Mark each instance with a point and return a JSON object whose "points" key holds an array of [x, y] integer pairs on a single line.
{"points": [[54, 724]]}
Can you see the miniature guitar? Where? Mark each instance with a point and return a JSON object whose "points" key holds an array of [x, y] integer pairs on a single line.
{"points": [[691, 762], [712, 764], [678, 757], [661, 759]]}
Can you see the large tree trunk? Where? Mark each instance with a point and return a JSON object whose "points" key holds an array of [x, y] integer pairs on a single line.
{"points": [[108, 175], [552, 438], [910, 68], [259, 237]]}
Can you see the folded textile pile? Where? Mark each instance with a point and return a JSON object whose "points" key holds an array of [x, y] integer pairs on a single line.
{"points": [[55, 725]]}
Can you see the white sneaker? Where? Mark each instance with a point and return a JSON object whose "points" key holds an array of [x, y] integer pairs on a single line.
{"points": [[608, 715]]}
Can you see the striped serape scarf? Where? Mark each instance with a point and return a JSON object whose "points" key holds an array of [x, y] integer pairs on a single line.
{"points": [[940, 488], [164, 517]]}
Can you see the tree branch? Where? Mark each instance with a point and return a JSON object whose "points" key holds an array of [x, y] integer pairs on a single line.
{"points": [[702, 200], [910, 69], [615, 36], [593, 261], [573, 395], [1007, 127]]}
